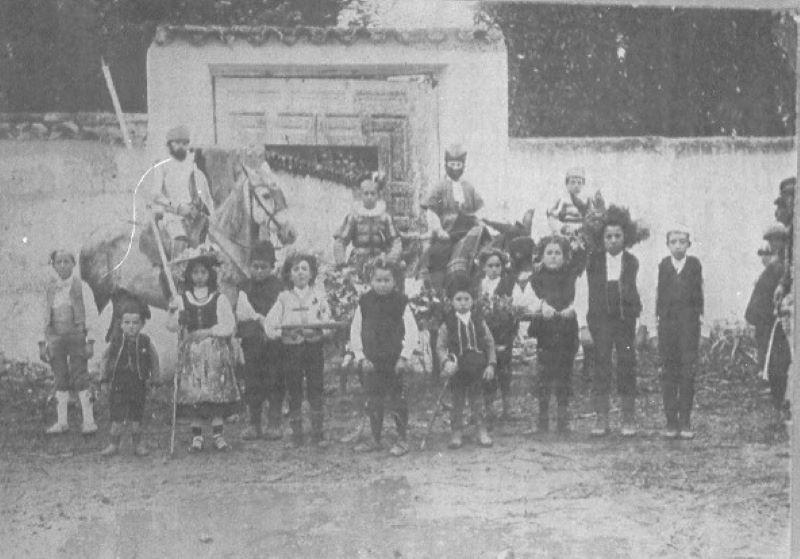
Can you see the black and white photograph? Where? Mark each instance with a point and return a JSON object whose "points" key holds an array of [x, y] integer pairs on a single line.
{"points": [[492, 279]]}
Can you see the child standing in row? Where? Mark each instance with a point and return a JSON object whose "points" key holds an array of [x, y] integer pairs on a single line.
{"points": [[556, 329], [301, 307], [130, 364], [263, 377], [206, 384], [383, 336], [614, 307], [467, 352], [679, 308], [494, 284], [71, 326]]}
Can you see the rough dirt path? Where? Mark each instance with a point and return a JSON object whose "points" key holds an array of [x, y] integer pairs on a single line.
{"points": [[725, 494]]}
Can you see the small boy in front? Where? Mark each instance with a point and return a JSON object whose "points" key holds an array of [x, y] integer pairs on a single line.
{"points": [[466, 350], [614, 307], [263, 377], [383, 336], [131, 361], [679, 308], [71, 326]]}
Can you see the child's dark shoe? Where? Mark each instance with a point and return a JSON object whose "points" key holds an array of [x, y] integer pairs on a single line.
{"points": [[197, 444], [686, 434], [368, 446], [220, 444], [251, 433], [273, 434], [400, 448], [456, 440], [111, 450]]}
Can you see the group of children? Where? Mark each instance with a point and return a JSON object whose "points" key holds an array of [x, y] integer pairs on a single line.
{"points": [[283, 323]]}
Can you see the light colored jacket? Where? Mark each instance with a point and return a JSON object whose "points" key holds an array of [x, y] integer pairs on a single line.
{"points": [[296, 306]]}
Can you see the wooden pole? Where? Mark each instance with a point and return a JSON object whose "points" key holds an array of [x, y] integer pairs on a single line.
{"points": [[794, 392], [117, 107]]}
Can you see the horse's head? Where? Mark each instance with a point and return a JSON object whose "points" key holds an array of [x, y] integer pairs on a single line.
{"points": [[267, 203]]}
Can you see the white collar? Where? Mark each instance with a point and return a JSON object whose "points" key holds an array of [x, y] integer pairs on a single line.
{"points": [[678, 264], [489, 285], [379, 209], [464, 317], [614, 258], [304, 292], [199, 296], [63, 283]]}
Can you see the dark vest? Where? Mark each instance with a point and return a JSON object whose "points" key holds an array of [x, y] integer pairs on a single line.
{"points": [[382, 328], [613, 299], [262, 296], [456, 328], [199, 317], [136, 352], [680, 296]]}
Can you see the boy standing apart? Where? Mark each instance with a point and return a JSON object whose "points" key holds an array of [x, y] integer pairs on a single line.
{"points": [[679, 307], [383, 337], [614, 307], [71, 326], [263, 379]]}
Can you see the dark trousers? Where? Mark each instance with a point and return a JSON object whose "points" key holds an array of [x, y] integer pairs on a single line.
{"points": [[466, 387], [263, 380], [68, 360], [501, 380], [381, 384], [304, 361], [127, 401], [610, 334], [779, 361], [555, 376], [678, 340]]}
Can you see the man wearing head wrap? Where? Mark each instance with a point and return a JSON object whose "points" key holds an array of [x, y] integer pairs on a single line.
{"points": [[180, 197], [450, 208]]}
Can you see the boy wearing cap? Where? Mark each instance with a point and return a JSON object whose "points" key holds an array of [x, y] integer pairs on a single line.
{"points": [[180, 195], [679, 307], [263, 380], [565, 217]]}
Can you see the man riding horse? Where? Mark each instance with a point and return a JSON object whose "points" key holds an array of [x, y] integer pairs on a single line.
{"points": [[180, 198], [450, 211]]}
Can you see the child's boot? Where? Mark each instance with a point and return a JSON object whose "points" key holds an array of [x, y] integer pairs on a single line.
{"points": [[457, 424], [61, 425], [506, 408], [297, 432], [543, 421], [601, 405], [87, 408], [483, 435], [628, 416], [456, 439], [114, 436], [670, 395], [139, 447], [317, 436], [562, 416], [253, 431]]}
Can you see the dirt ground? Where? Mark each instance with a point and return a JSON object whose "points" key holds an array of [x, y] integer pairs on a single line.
{"points": [[725, 494]]}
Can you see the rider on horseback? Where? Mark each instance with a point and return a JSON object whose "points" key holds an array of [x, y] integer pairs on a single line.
{"points": [[450, 211], [180, 197]]}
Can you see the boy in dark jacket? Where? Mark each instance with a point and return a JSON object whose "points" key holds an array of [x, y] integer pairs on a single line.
{"points": [[130, 362], [761, 314], [263, 378], [613, 309], [467, 352], [679, 307], [383, 337]]}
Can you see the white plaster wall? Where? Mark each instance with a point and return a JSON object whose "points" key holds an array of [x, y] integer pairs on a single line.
{"points": [[472, 89], [724, 195]]}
